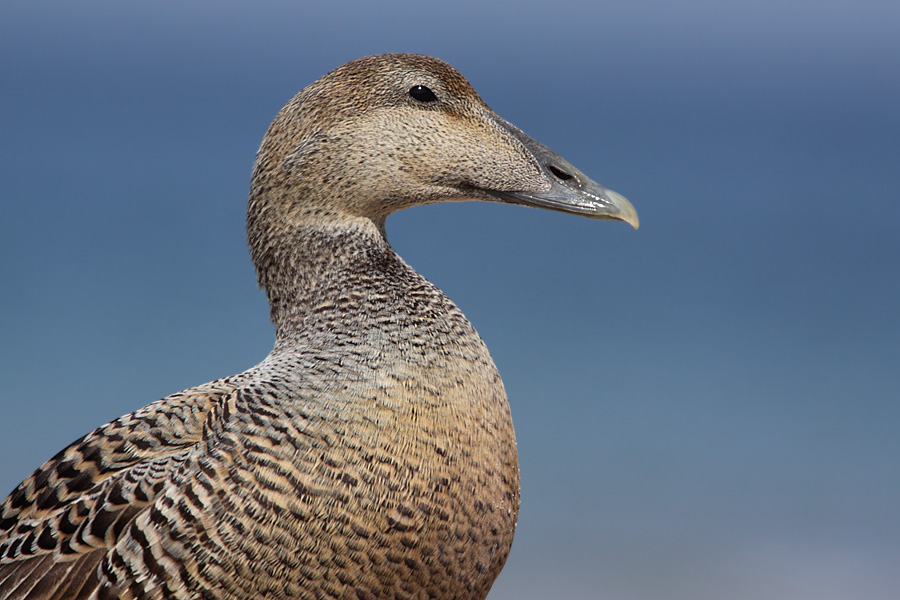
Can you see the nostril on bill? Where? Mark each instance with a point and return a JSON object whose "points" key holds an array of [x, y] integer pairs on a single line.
{"points": [[560, 174]]}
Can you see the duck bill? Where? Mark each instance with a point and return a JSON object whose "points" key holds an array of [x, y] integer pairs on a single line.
{"points": [[571, 191]]}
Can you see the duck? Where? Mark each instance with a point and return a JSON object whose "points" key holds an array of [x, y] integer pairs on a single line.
{"points": [[371, 454]]}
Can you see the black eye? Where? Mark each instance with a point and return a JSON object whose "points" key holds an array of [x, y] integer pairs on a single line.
{"points": [[422, 94]]}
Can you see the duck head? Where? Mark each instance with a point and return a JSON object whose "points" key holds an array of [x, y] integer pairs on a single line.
{"points": [[387, 132]]}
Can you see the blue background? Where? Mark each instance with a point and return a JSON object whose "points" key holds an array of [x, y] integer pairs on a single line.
{"points": [[706, 408]]}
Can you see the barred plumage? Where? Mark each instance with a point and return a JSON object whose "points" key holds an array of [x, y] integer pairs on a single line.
{"points": [[371, 454]]}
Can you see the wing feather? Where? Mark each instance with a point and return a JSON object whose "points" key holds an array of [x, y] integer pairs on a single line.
{"points": [[57, 525]]}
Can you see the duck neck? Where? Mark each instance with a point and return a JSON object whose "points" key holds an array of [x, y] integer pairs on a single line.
{"points": [[326, 267]]}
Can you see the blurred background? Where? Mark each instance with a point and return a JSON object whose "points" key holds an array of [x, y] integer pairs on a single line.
{"points": [[706, 408]]}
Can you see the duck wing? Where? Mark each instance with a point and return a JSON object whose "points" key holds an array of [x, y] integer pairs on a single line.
{"points": [[58, 524]]}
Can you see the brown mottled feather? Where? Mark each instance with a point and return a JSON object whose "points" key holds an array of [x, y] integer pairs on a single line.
{"points": [[55, 525], [371, 455]]}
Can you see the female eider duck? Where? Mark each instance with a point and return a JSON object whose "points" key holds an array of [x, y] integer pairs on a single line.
{"points": [[371, 454]]}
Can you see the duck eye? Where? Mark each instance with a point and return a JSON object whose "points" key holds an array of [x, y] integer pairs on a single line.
{"points": [[422, 94]]}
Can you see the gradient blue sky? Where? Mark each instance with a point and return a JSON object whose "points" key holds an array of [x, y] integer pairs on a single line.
{"points": [[708, 407]]}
